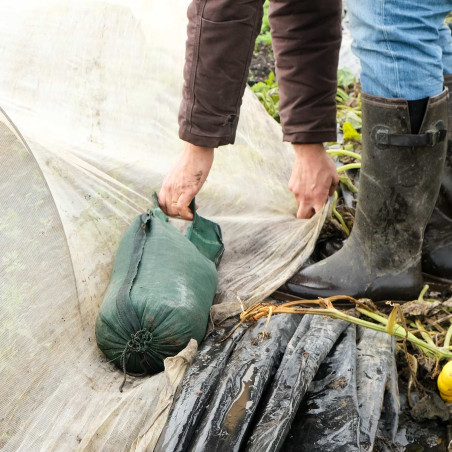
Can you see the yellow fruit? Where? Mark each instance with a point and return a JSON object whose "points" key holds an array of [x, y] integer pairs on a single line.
{"points": [[445, 382], [445, 385], [446, 398]]}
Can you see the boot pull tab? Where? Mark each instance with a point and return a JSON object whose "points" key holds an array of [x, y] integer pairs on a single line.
{"points": [[431, 138]]}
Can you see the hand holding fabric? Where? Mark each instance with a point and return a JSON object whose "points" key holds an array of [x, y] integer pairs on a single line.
{"points": [[314, 178], [185, 180]]}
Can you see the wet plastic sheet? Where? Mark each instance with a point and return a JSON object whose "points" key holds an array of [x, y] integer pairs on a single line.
{"points": [[293, 378], [334, 390], [197, 389], [353, 398], [376, 372], [431, 435], [328, 418], [225, 418], [94, 87], [247, 375]]}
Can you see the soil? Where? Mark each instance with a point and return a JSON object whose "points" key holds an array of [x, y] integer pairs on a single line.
{"points": [[262, 63]]}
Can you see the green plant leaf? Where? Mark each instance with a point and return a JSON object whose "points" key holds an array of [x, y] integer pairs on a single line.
{"points": [[350, 132], [341, 96], [352, 117], [345, 77]]}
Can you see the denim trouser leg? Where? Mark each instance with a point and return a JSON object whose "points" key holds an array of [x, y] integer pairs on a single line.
{"points": [[399, 44], [445, 40]]}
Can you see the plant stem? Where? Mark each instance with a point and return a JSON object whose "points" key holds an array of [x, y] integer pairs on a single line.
{"points": [[349, 167], [424, 332], [326, 308], [348, 183], [421, 295], [448, 337], [423, 291], [401, 332], [339, 216], [343, 153], [398, 330]]}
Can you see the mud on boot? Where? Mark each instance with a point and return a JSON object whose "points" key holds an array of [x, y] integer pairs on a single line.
{"points": [[437, 249], [400, 180]]}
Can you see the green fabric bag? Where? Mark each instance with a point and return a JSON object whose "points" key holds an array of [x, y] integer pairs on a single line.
{"points": [[161, 290]]}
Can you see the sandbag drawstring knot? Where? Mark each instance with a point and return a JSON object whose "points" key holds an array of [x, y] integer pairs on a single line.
{"points": [[139, 342]]}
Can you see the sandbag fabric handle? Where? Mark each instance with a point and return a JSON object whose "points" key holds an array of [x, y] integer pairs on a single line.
{"points": [[192, 206], [203, 233]]}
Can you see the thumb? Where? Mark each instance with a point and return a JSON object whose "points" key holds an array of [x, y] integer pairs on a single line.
{"points": [[162, 200], [333, 187], [305, 211]]}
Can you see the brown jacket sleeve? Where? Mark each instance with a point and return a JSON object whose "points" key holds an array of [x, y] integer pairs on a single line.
{"points": [[306, 37], [221, 37], [220, 44]]}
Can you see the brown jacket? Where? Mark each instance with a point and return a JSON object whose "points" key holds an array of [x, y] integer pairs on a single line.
{"points": [[306, 37]]}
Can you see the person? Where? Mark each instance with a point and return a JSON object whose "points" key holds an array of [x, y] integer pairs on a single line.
{"points": [[220, 44], [405, 52]]}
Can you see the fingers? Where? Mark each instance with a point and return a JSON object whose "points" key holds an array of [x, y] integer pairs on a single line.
{"points": [[183, 208], [305, 210], [319, 205], [333, 187], [313, 179], [184, 180], [311, 203], [168, 202], [172, 209], [174, 204], [162, 200], [334, 184], [310, 208]]}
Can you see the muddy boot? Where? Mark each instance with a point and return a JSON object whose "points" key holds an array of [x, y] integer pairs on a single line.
{"points": [[400, 180], [437, 249]]}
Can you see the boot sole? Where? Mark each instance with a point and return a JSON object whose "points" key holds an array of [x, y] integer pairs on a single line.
{"points": [[437, 283]]}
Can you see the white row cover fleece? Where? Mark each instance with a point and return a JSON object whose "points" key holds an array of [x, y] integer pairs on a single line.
{"points": [[94, 88]]}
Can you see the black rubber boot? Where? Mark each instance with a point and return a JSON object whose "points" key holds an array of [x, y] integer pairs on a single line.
{"points": [[399, 183], [437, 249]]}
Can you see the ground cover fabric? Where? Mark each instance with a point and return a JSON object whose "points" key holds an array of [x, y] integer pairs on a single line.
{"points": [[94, 89]]}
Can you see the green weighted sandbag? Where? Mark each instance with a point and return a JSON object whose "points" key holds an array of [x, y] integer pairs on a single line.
{"points": [[161, 290]]}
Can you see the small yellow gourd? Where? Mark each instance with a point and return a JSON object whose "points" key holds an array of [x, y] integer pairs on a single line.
{"points": [[445, 383]]}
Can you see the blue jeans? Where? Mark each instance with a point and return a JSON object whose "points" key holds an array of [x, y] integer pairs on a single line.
{"points": [[403, 45]]}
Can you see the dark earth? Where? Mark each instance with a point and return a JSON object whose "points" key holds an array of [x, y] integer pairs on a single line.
{"points": [[262, 63]]}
